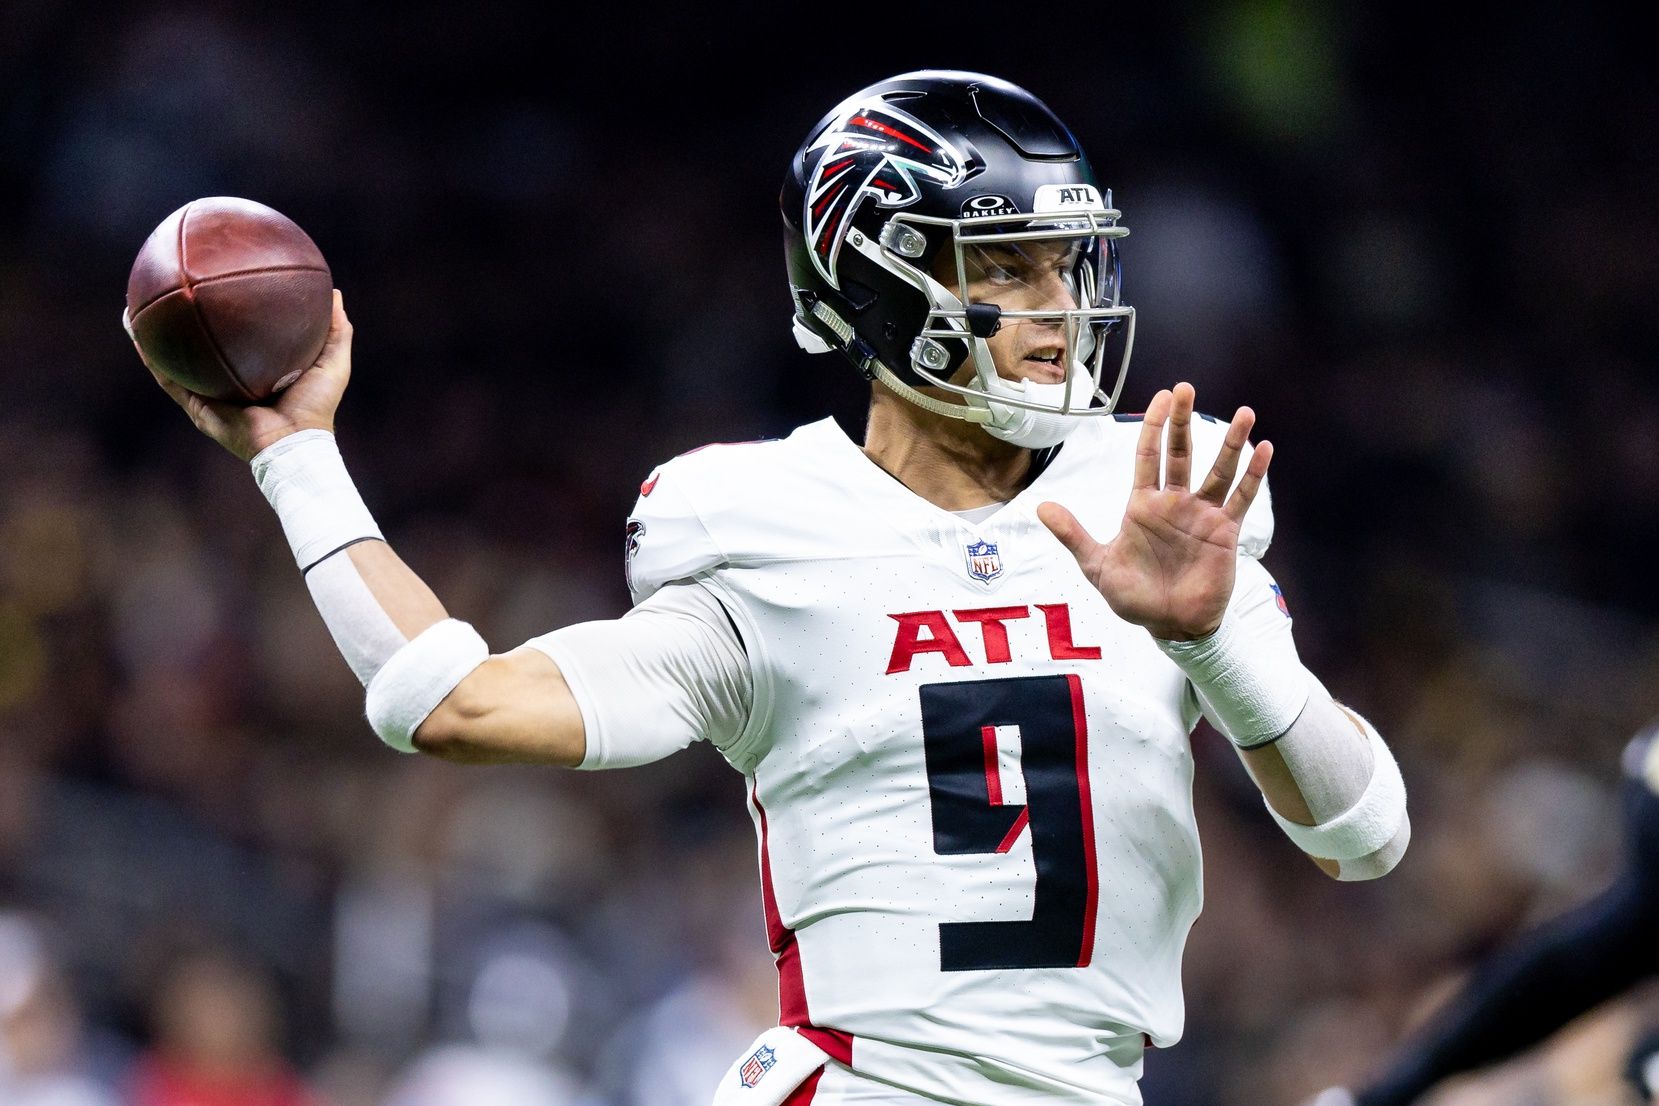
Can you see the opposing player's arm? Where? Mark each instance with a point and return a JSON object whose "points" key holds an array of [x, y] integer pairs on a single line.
{"points": [[1531, 988]]}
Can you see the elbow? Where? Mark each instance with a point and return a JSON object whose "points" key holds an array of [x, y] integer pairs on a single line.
{"points": [[507, 710], [451, 731], [1379, 863]]}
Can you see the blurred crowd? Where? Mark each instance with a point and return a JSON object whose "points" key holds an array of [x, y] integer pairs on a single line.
{"points": [[1427, 261]]}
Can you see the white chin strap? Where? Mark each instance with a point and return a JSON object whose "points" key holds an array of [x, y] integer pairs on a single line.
{"points": [[1022, 426]]}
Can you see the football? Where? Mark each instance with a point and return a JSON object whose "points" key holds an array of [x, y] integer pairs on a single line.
{"points": [[230, 298]]}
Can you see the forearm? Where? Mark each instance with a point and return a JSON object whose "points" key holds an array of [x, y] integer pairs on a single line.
{"points": [[407, 601], [1344, 748], [1319, 770], [502, 712], [1327, 777], [389, 626]]}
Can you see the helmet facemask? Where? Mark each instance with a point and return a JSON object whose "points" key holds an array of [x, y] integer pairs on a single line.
{"points": [[1039, 287]]}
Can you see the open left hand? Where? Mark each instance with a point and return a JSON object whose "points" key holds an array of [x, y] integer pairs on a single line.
{"points": [[1171, 566]]}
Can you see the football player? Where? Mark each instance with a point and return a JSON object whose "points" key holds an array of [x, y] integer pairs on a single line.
{"points": [[1526, 992], [963, 720]]}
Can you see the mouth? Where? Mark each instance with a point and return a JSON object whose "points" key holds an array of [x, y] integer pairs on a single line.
{"points": [[1045, 361]]}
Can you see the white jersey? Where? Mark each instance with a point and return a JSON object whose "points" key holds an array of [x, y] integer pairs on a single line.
{"points": [[971, 781]]}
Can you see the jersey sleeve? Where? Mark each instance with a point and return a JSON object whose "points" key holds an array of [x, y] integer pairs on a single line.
{"points": [[671, 671], [667, 539]]}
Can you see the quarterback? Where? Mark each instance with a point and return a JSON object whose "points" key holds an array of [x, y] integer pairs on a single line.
{"points": [[962, 720]]}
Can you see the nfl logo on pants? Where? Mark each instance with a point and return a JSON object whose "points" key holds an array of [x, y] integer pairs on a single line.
{"points": [[757, 1065], [984, 562]]}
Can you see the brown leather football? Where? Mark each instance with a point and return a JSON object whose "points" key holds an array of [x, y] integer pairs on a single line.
{"points": [[230, 299]]}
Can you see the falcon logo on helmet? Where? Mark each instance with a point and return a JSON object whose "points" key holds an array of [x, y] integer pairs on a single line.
{"points": [[872, 151]]}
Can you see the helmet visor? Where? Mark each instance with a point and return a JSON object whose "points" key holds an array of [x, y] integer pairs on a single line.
{"points": [[1042, 297]]}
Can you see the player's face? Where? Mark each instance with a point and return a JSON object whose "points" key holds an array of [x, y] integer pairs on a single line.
{"points": [[1020, 276]]}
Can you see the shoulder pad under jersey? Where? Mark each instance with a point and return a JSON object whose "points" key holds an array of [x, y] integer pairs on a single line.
{"points": [[667, 540], [668, 532]]}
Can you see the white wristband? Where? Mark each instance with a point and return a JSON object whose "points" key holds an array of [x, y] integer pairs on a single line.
{"points": [[306, 482], [1366, 826], [417, 678], [1254, 693]]}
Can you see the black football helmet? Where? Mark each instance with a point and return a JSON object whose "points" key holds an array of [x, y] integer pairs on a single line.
{"points": [[916, 188]]}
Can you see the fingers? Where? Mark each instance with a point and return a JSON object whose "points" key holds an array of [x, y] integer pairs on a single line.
{"points": [[336, 355], [207, 414], [179, 393], [1174, 457], [1064, 525], [126, 325], [1149, 450], [315, 390], [1220, 478], [1254, 473], [1178, 449]]}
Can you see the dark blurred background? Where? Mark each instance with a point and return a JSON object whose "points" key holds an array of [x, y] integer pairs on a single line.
{"points": [[1428, 256]]}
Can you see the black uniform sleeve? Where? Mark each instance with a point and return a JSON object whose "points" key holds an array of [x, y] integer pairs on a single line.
{"points": [[1551, 976]]}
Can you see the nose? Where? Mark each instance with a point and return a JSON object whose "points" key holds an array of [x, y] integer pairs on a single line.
{"points": [[1052, 293]]}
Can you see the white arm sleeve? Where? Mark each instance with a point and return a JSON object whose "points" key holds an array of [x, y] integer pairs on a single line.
{"points": [[671, 671], [1344, 771]]}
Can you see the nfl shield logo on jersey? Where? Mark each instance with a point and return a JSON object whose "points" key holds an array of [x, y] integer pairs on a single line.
{"points": [[984, 562], [757, 1065]]}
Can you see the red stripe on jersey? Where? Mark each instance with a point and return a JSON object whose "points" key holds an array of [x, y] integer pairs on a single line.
{"points": [[791, 984], [1080, 722], [837, 1044], [806, 1092], [993, 773], [792, 1009], [1014, 832]]}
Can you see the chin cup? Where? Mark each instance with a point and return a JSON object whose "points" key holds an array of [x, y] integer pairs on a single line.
{"points": [[1023, 426]]}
